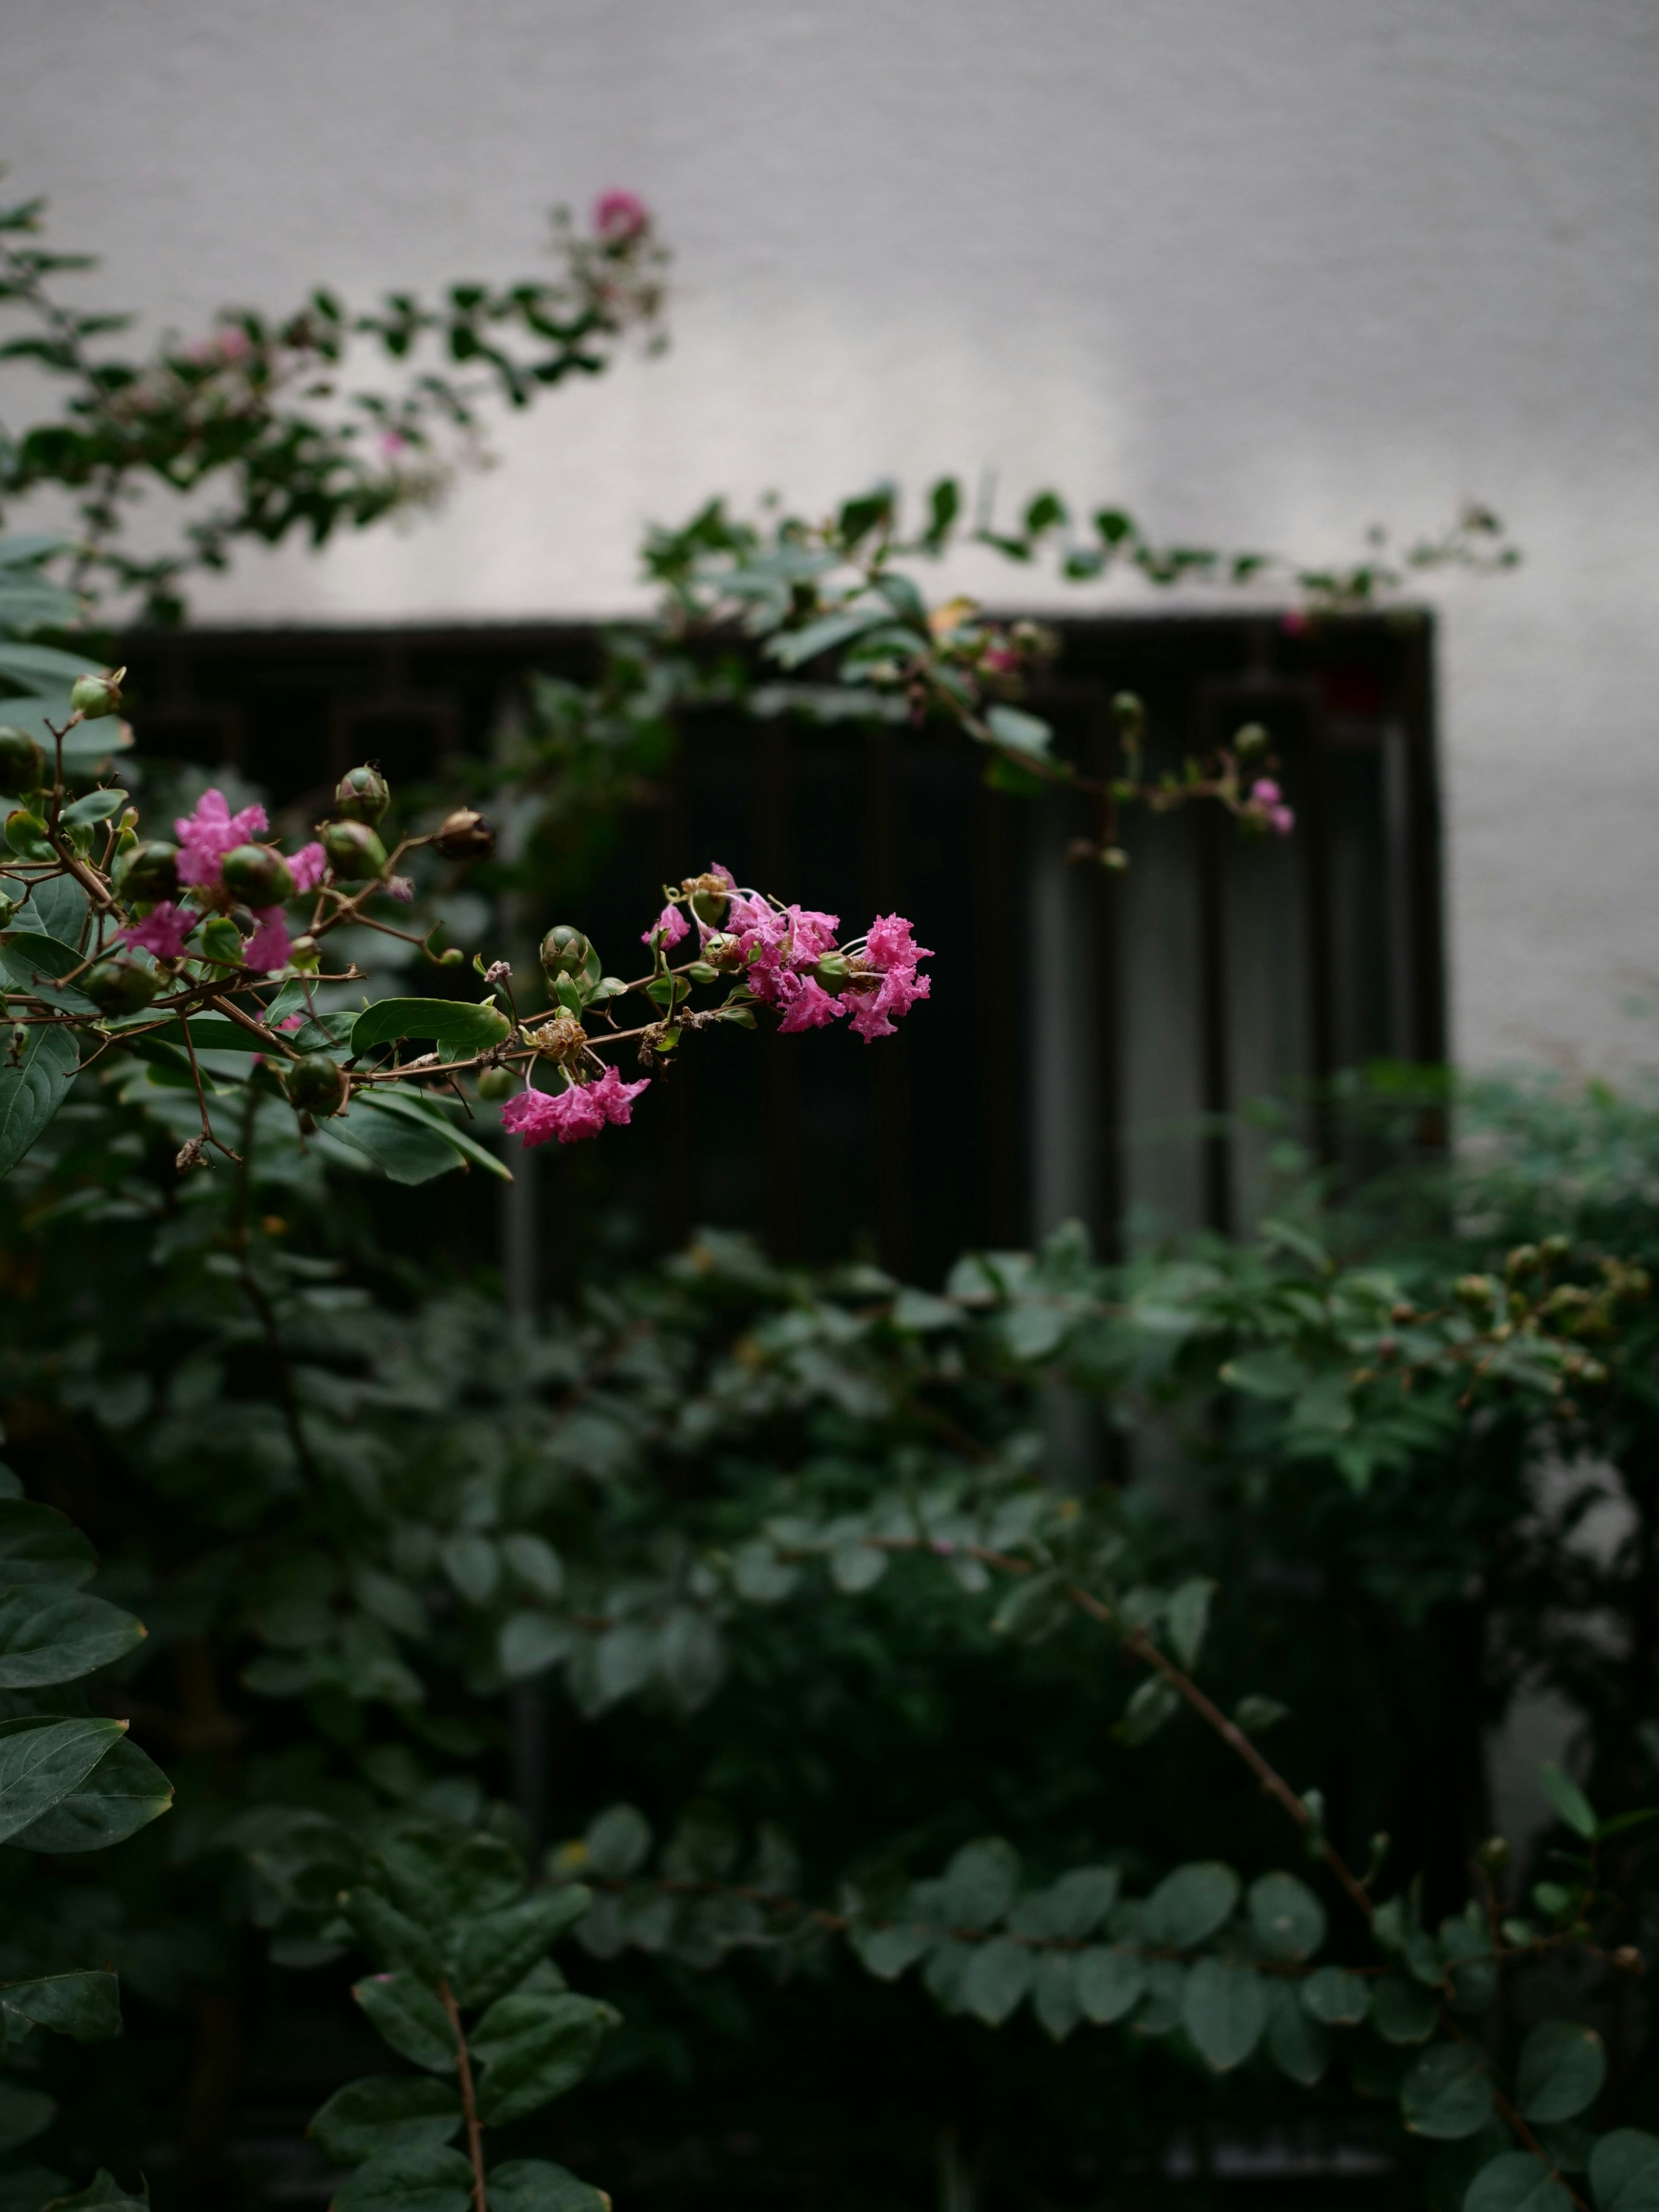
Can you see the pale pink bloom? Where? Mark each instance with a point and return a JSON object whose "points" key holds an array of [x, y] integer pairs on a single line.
{"points": [[671, 925], [619, 216], [1264, 792], [402, 888], [393, 442], [205, 837], [1282, 820], [806, 1005], [162, 931], [306, 865], [268, 948]]}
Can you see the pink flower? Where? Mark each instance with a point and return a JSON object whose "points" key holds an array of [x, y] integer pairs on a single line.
{"points": [[812, 935], [671, 925], [1294, 623], [269, 947], [306, 865], [891, 950], [891, 944], [402, 888], [205, 837], [1282, 820], [806, 1005], [620, 216], [162, 931], [582, 1110], [1264, 792], [292, 1022]]}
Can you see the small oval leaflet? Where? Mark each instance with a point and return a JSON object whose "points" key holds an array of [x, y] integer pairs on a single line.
{"points": [[1561, 2071]]}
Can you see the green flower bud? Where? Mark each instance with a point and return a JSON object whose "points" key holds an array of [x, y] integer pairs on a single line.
{"points": [[497, 1083], [833, 972], [94, 696], [120, 985], [149, 871], [722, 951], [257, 875], [316, 1085], [23, 763], [709, 900], [1473, 1290], [464, 835], [363, 794], [1130, 716], [1251, 739], [564, 952], [355, 853], [303, 955], [26, 834], [1494, 1854], [7, 907]]}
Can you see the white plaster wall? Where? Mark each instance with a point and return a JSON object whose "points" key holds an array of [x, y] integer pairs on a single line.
{"points": [[1267, 270]]}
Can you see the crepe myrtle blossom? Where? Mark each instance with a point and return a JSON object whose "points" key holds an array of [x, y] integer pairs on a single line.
{"points": [[1267, 803], [162, 932], [620, 216], [581, 1111], [270, 947], [205, 837]]}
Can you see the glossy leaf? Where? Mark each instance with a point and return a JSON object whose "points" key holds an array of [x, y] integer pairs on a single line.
{"points": [[1569, 1800], [1297, 2044], [1190, 1903], [38, 1545], [391, 1938], [1336, 1996], [408, 2016], [1446, 2095], [1624, 2171], [384, 2112], [32, 1089], [998, 1979], [491, 1955], [1402, 2011], [1286, 1917], [535, 2185], [1189, 1617], [461, 1027], [887, 1952], [1223, 2009], [123, 1793], [49, 1634], [532, 2049], [1516, 2182], [1080, 1900], [1561, 2071], [41, 1762], [1110, 1982], [86, 2006], [409, 2177], [618, 1842], [980, 1883], [1054, 1993]]}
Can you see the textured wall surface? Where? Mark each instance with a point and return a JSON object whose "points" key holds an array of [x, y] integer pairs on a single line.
{"points": [[1268, 270]]}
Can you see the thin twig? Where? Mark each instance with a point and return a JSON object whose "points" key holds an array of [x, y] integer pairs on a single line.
{"points": [[469, 2101]]}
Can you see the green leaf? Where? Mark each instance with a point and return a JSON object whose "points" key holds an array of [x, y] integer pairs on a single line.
{"points": [[33, 1088], [437, 1878], [56, 907], [105, 2195], [41, 1762], [491, 1955], [38, 1545], [790, 648], [998, 1976], [1337, 1997], [618, 1842], [1110, 1982], [1446, 2095], [384, 2112], [1166, 1984], [403, 1151], [124, 1793], [1624, 2171], [87, 2006], [1297, 2045], [1561, 2071], [393, 1939], [23, 2113], [1287, 1918], [461, 1026], [981, 1883], [1080, 1901], [48, 1634], [533, 2049], [1516, 2182], [28, 2187], [95, 806], [43, 668], [887, 1952], [1402, 2011], [1569, 1799], [1020, 732], [530, 1643], [1223, 2009], [408, 2016], [1190, 1903], [409, 2177], [1153, 1704], [1265, 1374], [535, 2185], [1054, 1994], [1189, 1617], [425, 1113]]}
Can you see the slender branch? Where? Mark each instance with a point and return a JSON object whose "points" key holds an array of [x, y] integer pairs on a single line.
{"points": [[469, 2101]]}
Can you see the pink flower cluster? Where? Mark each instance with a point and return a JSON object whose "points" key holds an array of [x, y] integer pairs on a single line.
{"points": [[1267, 803], [784, 947], [582, 1110], [205, 838], [620, 217]]}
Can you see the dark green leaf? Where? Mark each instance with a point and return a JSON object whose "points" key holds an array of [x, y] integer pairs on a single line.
{"points": [[617, 1842], [87, 2006], [461, 1026], [37, 1545], [980, 1883], [1297, 2045], [383, 2113], [410, 2018], [105, 2195], [1190, 1903], [1019, 731], [1446, 2094], [1569, 1800], [123, 1793], [491, 1955], [533, 2049], [55, 908], [1624, 2171], [1110, 1982], [409, 2177], [48, 1634], [41, 1762], [1287, 1918], [393, 1939], [1223, 2009], [33, 1088], [1189, 1617], [887, 1952], [1402, 2011], [1054, 1993], [1080, 1901], [23, 2113], [403, 1152], [1337, 1997], [1516, 2182], [534, 2184], [438, 1878], [998, 1978], [1561, 2071], [1153, 1704], [790, 648]]}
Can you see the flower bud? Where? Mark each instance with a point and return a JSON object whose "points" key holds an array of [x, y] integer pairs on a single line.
{"points": [[708, 899], [363, 794], [223, 941], [7, 907], [1473, 1290], [1494, 1854], [94, 696], [833, 971], [257, 875], [23, 763], [564, 952], [497, 1083], [316, 1084], [464, 835], [1250, 740], [120, 985], [1130, 716], [1627, 1960], [149, 871], [26, 834], [1554, 1249], [303, 955], [722, 951], [355, 853]]}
